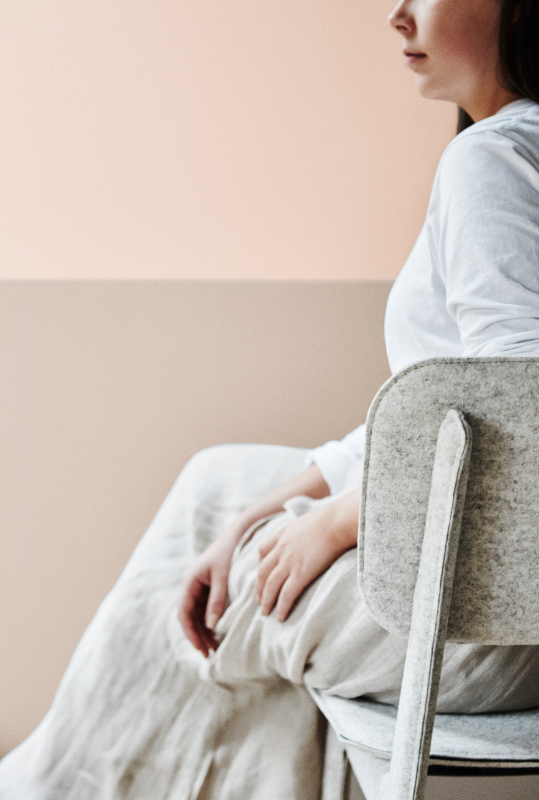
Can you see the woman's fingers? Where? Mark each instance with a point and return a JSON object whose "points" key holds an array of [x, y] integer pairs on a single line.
{"points": [[272, 588], [267, 564], [290, 591], [268, 543], [188, 611], [269, 556], [191, 613], [206, 638], [216, 604], [272, 571]]}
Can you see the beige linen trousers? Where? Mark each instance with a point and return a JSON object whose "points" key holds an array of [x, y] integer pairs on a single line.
{"points": [[141, 715]]}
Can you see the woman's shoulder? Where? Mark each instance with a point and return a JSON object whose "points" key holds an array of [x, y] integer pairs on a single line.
{"points": [[503, 147]]}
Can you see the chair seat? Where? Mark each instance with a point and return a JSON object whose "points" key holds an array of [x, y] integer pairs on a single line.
{"points": [[510, 737]]}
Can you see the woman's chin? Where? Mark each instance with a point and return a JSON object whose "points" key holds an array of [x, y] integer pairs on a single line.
{"points": [[430, 91]]}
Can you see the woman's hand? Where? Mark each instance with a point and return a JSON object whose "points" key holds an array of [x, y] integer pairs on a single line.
{"points": [[292, 557], [204, 587]]}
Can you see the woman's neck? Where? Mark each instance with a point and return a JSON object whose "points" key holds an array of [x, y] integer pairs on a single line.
{"points": [[486, 105]]}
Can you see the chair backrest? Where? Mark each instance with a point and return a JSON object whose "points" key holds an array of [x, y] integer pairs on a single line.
{"points": [[496, 588]]}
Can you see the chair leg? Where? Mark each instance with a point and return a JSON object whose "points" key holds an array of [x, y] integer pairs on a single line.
{"points": [[336, 768]]}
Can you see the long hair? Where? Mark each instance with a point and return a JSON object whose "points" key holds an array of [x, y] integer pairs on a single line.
{"points": [[518, 48]]}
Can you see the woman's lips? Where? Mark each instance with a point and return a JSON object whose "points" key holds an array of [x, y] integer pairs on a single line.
{"points": [[413, 58]]}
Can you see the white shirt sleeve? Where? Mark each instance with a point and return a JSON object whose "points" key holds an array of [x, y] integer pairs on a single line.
{"points": [[334, 459], [483, 223], [483, 265]]}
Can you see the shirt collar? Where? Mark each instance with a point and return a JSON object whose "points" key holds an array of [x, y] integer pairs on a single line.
{"points": [[515, 107]]}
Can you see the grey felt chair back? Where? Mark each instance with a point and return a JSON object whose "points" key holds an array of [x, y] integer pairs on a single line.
{"points": [[448, 549], [495, 595]]}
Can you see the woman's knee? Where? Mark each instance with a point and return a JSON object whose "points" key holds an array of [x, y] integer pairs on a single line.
{"points": [[211, 462]]}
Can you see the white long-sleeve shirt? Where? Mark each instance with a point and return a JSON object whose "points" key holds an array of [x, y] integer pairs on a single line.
{"points": [[470, 286]]}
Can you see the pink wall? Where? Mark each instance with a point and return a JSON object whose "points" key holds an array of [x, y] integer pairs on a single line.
{"points": [[210, 139]]}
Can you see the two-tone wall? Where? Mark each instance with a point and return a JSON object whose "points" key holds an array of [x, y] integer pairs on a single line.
{"points": [[157, 160], [167, 167]]}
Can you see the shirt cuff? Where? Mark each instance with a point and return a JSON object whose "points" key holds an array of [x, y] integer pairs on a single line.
{"points": [[334, 459]]}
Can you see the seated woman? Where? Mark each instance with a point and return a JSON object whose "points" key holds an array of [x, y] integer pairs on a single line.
{"points": [[216, 708]]}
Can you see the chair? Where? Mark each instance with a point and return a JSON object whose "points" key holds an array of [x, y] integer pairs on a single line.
{"points": [[448, 550]]}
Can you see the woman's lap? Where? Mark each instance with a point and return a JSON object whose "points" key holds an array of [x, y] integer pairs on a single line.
{"points": [[139, 709], [330, 642]]}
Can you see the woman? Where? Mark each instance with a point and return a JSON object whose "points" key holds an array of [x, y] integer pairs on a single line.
{"points": [[141, 712]]}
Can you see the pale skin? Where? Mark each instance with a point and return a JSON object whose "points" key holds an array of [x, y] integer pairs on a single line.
{"points": [[451, 46]]}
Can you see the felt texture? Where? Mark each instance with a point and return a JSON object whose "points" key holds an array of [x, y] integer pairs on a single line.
{"points": [[496, 589], [447, 547], [365, 731], [432, 600], [370, 726]]}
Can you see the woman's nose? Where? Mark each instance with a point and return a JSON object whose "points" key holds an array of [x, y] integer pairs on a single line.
{"points": [[401, 18]]}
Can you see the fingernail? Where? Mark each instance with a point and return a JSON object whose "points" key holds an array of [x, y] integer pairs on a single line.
{"points": [[212, 621]]}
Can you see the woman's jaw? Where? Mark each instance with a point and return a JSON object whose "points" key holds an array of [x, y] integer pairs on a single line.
{"points": [[452, 47]]}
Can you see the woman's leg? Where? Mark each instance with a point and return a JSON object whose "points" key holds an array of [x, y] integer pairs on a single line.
{"points": [[128, 716], [331, 642]]}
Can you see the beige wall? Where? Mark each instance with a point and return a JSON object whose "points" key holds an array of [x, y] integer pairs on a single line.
{"points": [[210, 139]]}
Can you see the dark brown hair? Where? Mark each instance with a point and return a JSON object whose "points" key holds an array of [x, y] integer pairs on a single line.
{"points": [[518, 47]]}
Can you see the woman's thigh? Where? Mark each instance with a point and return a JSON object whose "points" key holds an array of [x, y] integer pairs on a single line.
{"points": [[331, 642], [328, 641]]}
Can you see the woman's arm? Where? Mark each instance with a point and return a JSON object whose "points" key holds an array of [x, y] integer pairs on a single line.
{"points": [[483, 225], [205, 585], [309, 483], [335, 458]]}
